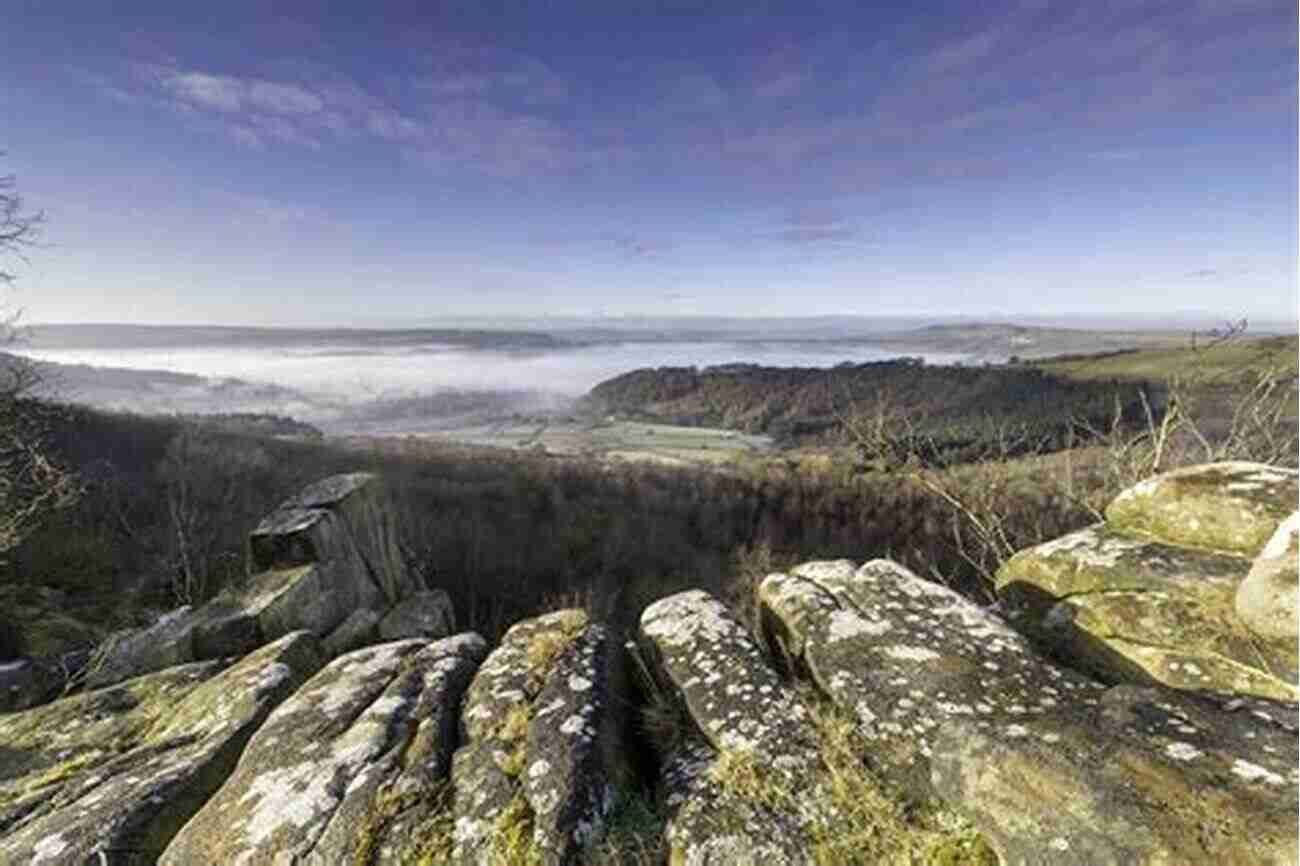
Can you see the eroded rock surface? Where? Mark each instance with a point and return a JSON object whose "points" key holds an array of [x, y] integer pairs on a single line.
{"points": [[166, 643], [1146, 776], [744, 723], [323, 555], [905, 655], [1266, 599], [712, 824], [344, 519], [732, 694], [332, 766], [358, 630], [1143, 598], [425, 614], [119, 770], [1232, 506], [542, 752]]}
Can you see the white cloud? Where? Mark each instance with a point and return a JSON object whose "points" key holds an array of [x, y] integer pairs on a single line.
{"points": [[219, 92], [281, 98]]}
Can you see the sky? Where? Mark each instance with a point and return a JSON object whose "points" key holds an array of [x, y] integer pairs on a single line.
{"points": [[402, 163]]}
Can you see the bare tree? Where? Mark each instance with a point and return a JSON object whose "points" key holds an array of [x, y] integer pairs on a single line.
{"points": [[31, 483]]}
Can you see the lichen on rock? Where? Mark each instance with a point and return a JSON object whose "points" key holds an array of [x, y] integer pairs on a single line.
{"points": [[378, 721], [121, 769], [534, 780], [904, 655], [1146, 776]]}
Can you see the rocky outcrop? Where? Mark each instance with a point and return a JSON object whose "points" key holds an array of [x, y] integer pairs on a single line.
{"points": [[874, 717], [30, 682], [1266, 599], [358, 630], [426, 614], [743, 732], [905, 655], [41, 645], [325, 555], [35, 623], [343, 522], [543, 754], [116, 772], [1051, 767], [1144, 777], [366, 739], [1233, 507], [1150, 596]]}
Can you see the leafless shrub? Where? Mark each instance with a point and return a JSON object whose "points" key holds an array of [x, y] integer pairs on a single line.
{"points": [[32, 483], [1221, 403]]}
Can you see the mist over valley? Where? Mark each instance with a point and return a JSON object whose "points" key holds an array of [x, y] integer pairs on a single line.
{"points": [[390, 382]]}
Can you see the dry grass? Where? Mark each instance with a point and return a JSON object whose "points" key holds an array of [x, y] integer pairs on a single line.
{"points": [[858, 818]]}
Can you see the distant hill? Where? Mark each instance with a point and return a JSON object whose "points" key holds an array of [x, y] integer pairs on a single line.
{"points": [[111, 336], [956, 407]]}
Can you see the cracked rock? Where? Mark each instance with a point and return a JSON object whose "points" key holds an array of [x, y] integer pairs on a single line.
{"points": [[369, 735]]}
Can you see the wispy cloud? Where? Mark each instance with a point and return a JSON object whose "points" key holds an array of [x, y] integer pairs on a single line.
{"points": [[820, 109], [219, 92]]}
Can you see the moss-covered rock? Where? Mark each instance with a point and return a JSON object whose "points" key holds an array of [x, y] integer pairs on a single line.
{"points": [[746, 742], [316, 784], [716, 819], [38, 624], [904, 655], [543, 753], [1145, 777], [1129, 609], [1232, 506], [119, 770], [1184, 641], [1266, 599]]}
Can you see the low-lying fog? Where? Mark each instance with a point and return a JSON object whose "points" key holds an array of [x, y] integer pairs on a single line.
{"points": [[351, 386]]}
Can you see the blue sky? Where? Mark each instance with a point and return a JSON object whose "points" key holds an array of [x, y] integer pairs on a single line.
{"points": [[392, 163]]}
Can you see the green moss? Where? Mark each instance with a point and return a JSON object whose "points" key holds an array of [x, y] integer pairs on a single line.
{"points": [[866, 819], [512, 835]]}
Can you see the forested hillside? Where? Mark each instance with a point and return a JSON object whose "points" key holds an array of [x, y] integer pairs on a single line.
{"points": [[953, 408], [167, 505]]}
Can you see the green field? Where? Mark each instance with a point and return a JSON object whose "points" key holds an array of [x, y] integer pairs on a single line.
{"points": [[666, 444], [1207, 361]]}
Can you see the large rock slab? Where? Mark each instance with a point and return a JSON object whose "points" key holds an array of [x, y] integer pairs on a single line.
{"points": [[543, 752], [358, 630], [575, 756], [166, 643], [329, 770], [345, 519], [119, 770], [904, 655], [746, 737], [1146, 776], [1230, 506], [1266, 599], [426, 614], [734, 697], [321, 556], [712, 824], [1134, 610]]}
